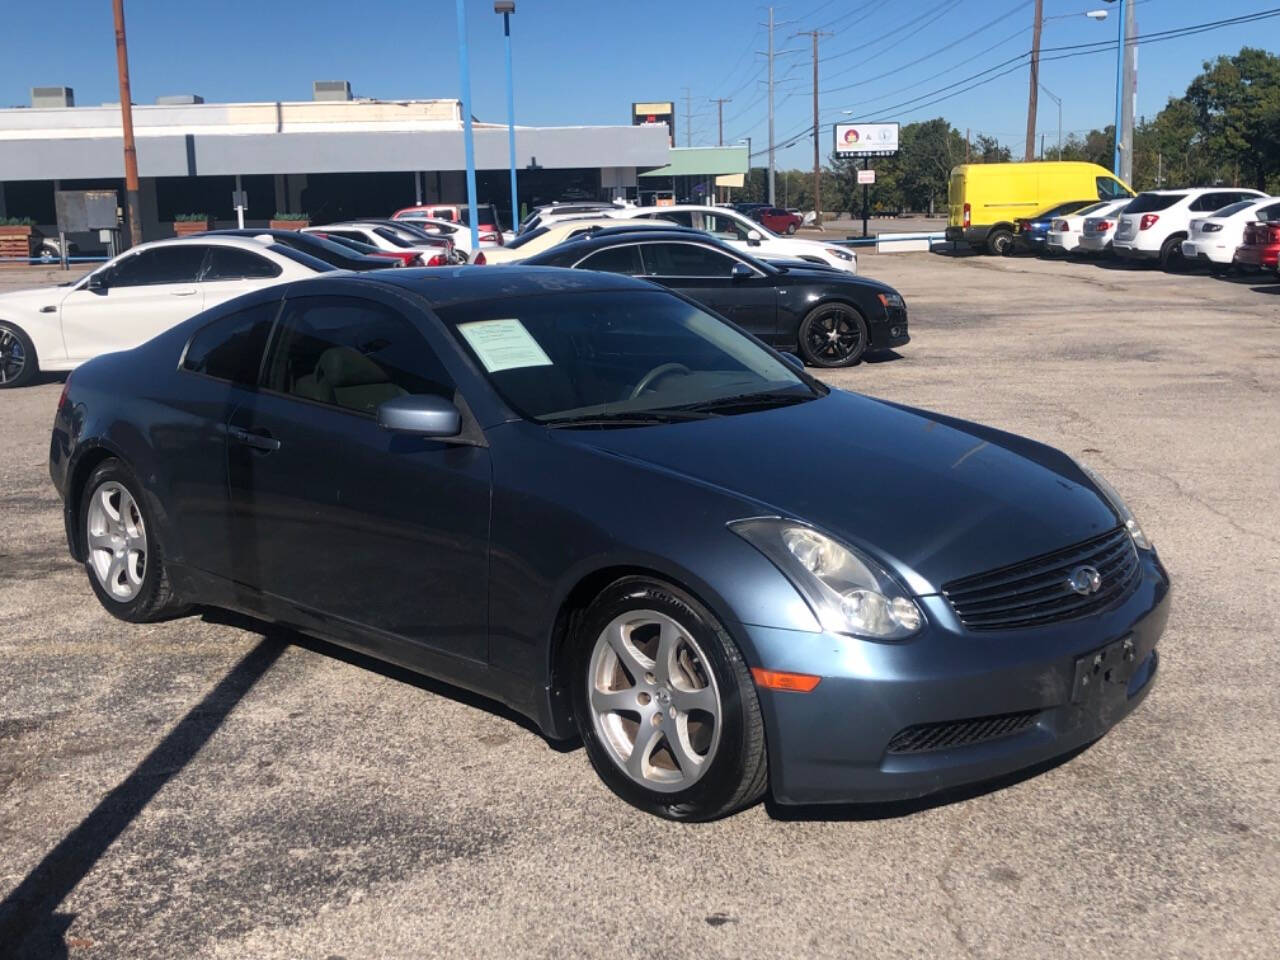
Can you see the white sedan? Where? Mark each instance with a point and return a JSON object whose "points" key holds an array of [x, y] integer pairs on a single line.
{"points": [[1065, 233], [1213, 239], [747, 235], [545, 237], [134, 297], [460, 235], [394, 239]]}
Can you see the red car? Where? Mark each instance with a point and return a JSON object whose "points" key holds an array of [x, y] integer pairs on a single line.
{"points": [[488, 228], [777, 219], [1261, 247]]}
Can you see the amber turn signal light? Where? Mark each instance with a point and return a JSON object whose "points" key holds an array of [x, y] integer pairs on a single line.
{"points": [[781, 680]]}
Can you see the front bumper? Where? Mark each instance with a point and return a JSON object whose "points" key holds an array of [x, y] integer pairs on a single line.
{"points": [[892, 332], [832, 745]]}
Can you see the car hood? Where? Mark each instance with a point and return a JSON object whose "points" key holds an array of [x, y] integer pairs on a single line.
{"points": [[933, 497], [34, 298], [804, 271]]}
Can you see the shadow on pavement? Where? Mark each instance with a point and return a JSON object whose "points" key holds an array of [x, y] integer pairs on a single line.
{"points": [[29, 923], [881, 356], [904, 808]]}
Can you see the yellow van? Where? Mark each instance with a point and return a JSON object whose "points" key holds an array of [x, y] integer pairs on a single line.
{"points": [[984, 199]]}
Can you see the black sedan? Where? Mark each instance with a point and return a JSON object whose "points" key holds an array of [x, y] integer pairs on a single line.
{"points": [[331, 253], [829, 317], [597, 502]]}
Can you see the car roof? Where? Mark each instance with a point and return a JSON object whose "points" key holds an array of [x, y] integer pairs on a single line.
{"points": [[449, 286], [692, 206], [242, 241]]}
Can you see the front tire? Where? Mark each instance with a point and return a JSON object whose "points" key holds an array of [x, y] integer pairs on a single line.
{"points": [[833, 335], [791, 228], [18, 364], [122, 554], [1000, 242], [665, 704]]}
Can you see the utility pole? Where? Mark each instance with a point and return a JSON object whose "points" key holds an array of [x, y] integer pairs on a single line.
{"points": [[772, 196], [1029, 153], [720, 102], [1130, 89], [966, 144], [132, 207], [817, 164], [688, 118]]}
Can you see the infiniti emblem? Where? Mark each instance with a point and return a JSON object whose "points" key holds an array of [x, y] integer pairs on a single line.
{"points": [[1084, 580]]}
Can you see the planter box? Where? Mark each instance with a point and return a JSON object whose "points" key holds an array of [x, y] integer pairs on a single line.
{"points": [[16, 242], [184, 228], [289, 224]]}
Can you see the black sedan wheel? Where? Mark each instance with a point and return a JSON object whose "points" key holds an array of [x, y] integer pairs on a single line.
{"points": [[122, 555], [665, 704], [833, 335], [17, 357]]}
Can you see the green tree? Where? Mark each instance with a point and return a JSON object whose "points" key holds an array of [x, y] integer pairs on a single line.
{"points": [[1236, 101]]}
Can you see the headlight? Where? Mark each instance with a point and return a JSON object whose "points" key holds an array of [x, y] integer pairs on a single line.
{"points": [[890, 301], [848, 591], [1126, 515], [837, 252]]}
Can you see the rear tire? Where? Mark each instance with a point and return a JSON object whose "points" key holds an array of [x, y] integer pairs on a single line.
{"points": [[1171, 258], [1000, 242], [123, 559], [791, 228], [18, 364], [647, 659]]}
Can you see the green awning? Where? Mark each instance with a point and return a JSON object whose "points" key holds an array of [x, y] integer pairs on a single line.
{"points": [[702, 162]]}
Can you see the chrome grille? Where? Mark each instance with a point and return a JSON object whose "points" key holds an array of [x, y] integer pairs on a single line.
{"points": [[960, 733], [1036, 591]]}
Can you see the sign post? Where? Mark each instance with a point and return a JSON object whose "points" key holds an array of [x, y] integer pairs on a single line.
{"points": [[240, 201], [866, 140]]}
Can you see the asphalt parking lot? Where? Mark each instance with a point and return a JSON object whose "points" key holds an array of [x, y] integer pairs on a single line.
{"points": [[210, 788]]}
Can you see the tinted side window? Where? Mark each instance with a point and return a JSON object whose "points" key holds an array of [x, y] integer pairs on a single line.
{"points": [[176, 264], [228, 263], [729, 228], [1109, 189], [1207, 202], [1268, 213], [351, 353], [615, 260], [685, 260], [683, 217], [231, 348], [1151, 202]]}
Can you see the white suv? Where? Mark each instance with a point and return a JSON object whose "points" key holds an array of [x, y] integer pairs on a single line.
{"points": [[1155, 223]]}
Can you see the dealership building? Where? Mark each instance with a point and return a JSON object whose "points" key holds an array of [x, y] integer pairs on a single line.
{"points": [[334, 157]]}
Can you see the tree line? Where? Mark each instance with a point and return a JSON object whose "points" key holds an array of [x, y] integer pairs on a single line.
{"points": [[1224, 130]]}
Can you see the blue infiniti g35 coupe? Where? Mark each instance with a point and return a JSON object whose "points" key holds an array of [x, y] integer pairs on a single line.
{"points": [[617, 513]]}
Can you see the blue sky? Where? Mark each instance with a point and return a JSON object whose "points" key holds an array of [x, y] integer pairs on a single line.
{"points": [[584, 62]]}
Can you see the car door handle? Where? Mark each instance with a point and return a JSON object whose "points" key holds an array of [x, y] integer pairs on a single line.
{"points": [[183, 293], [257, 441], [48, 309]]}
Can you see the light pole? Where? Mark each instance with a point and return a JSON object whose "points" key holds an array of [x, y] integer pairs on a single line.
{"points": [[747, 141], [1124, 27], [1057, 100], [507, 8], [468, 141]]}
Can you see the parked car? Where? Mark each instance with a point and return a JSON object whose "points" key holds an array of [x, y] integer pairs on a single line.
{"points": [[1030, 232], [777, 219], [1066, 232], [545, 237], [984, 199], [1154, 225], [1097, 232], [828, 316], [1260, 247], [746, 235], [401, 258], [390, 238], [135, 296], [489, 226], [322, 248], [459, 235], [1213, 240], [547, 213], [589, 499]]}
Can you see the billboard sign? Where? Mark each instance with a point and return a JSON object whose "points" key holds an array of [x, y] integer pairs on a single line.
{"points": [[659, 111], [866, 139]]}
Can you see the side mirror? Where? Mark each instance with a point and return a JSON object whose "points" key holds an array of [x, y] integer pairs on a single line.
{"points": [[97, 282], [741, 271], [792, 359], [754, 237], [426, 415]]}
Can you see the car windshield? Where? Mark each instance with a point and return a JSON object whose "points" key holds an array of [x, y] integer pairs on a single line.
{"points": [[485, 214], [1093, 208], [524, 238], [297, 256], [588, 357]]}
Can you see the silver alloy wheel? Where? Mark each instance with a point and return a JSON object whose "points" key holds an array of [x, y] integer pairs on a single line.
{"points": [[117, 541], [13, 358], [654, 700]]}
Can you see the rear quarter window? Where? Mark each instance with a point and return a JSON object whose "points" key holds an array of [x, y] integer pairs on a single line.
{"points": [[1151, 202]]}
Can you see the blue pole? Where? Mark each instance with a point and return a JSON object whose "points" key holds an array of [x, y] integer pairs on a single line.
{"points": [[1115, 160], [511, 123], [468, 141]]}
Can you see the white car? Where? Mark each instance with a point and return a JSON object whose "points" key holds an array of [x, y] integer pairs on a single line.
{"points": [[1155, 222], [546, 237], [1065, 233], [747, 235], [550, 213], [392, 239], [1097, 233], [134, 297], [1213, 240], [460, 235]]}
